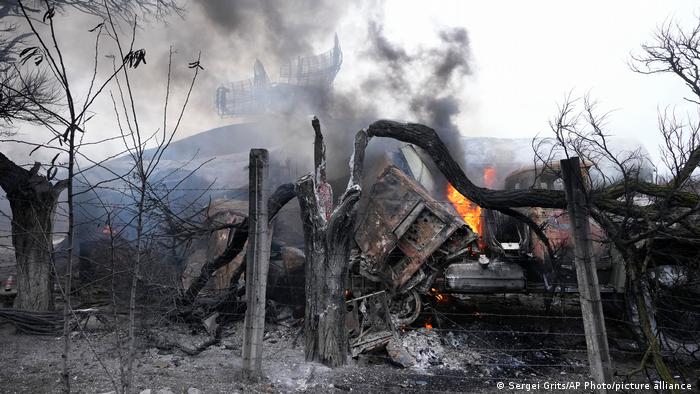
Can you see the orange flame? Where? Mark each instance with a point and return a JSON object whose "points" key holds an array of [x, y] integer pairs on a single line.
{"points": [[489, 177], [440, 298], [470, 212], [428, 326]]}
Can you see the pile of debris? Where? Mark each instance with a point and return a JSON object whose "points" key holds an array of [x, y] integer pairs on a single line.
{"points": [[430, 349]]}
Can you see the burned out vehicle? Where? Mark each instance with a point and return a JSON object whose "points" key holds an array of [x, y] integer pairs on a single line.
{"points": [[405, 237], [416, 246]]}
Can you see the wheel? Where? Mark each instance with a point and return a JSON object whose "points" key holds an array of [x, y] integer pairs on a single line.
{"points": [[405, 308]]}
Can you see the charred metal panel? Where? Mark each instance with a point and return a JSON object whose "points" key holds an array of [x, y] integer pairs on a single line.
{"points": [[402, 227], [408, 220], [422, 232], [426, 234]]}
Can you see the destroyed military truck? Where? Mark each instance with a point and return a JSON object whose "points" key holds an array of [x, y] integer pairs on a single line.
{"points": [[413, 246], [417, 246]]}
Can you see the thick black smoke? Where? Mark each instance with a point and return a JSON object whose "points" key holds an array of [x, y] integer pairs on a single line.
{"points": [[283, 28], [418, 84], [393, 57], [433, 97]]}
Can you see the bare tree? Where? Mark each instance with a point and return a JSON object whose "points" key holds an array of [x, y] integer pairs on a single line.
{"points": [[33, 197], [127, 10], [145, 165], [40, 96], [73, 122], [633, 220], [24, 96], [651, 218]]}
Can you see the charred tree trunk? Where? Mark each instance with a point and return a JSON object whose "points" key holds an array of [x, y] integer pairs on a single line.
{"points": [[314, 224], [282, 195], [323, 188], [327, 249], [33, 199], [504, 200]]}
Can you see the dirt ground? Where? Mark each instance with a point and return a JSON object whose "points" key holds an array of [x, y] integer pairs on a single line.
{"points": [[32, 365], [470, 352]]}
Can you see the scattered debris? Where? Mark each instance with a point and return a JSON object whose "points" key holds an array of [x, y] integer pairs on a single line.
{"points": [[430, 350], [281, 314], [369, 323], [399, 354], [210, 323], [185, 344], [50, 323]]}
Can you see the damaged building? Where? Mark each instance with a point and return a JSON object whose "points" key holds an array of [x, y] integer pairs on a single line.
{"points": [[302, 80]]}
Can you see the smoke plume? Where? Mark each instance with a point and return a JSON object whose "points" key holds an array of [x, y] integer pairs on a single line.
{"points": [[433, 97], [282, 28]]}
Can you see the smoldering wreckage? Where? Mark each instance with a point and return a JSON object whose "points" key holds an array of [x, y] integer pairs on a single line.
{"points": [[420, 250], [402, 271]]}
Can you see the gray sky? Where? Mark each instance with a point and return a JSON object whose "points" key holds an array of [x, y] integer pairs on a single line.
{"points": [[528, 55], [524, 57]]}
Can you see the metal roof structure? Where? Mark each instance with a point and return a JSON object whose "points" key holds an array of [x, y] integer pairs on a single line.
{"points": [[306, 80]]}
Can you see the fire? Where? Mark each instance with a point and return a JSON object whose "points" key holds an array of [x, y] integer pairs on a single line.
{"points": [[108, 230], [469, 211], [440, 298], [489, 177], [428, 326]]}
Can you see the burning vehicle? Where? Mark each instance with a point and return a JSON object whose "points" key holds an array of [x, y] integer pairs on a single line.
{"points": [[419, 247]]}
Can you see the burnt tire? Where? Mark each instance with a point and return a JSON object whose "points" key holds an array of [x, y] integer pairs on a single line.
{"points": [[405, 308]]}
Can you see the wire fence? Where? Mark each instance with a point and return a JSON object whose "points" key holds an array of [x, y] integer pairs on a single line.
{"points": [[483, 339]]}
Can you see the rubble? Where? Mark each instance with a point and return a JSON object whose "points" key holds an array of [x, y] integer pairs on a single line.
{"points": [[399, 354], [205, 248], [210, 323], [430, 350], [369, 323]]}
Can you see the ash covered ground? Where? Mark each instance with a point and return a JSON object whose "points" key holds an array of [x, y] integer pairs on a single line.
{"points": [[468, 349]]}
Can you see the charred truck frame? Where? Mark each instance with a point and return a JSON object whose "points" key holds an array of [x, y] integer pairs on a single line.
{"points": [[415, 246]]}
